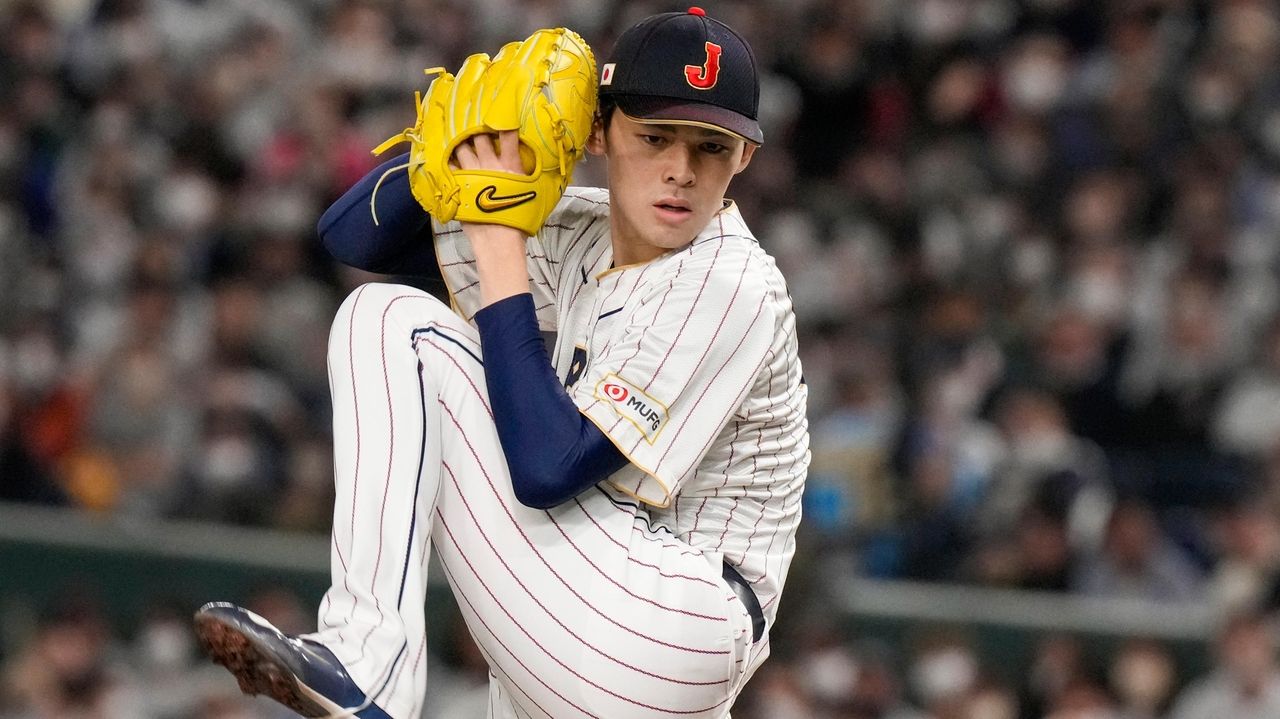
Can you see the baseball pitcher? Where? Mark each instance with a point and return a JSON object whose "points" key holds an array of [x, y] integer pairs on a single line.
{"points": [[615, 511]]}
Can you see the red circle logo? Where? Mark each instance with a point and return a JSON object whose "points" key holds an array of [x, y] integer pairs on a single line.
{"points": [[617, 393]]}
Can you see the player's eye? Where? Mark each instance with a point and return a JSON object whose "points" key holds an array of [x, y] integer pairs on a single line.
{"points": [[713, 148], [654, 140]]}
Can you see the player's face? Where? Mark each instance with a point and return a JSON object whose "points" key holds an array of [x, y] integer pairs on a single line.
{"points": [[666, 182]]}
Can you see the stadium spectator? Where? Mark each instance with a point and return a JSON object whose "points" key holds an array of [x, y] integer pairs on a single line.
{"points": [[1137, 561], [1142, 677], [1245, 683]]}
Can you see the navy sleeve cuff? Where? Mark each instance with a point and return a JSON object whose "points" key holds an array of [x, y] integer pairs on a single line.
{"points": [[553, 452]]}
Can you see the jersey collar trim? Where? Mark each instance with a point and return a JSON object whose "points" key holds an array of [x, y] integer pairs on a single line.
{"points": [[728, 209]]}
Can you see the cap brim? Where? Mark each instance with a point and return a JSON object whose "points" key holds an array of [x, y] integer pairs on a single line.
{"points": [[664, 110]]}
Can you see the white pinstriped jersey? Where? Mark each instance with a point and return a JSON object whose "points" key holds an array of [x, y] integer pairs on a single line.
{"points": [[688, 363]]}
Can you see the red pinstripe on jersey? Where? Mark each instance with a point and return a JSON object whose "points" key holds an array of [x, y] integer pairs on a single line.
{"points": [[636, 561], [391, 450], [683, 325], [556, 573], [494, 662], [701, 359], [483, 401], [518, 623], [532, 595], [657, 312]]}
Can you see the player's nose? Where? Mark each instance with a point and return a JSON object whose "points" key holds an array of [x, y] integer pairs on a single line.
{"points": [[679, 169]]}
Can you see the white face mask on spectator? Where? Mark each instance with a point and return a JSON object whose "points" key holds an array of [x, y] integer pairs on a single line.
{"points": [[229, 462], [1101, 295], [831, 674], [1040, 448], [1036, 79], [187, 202], [37, 365], [943, 673], [165, 645]]}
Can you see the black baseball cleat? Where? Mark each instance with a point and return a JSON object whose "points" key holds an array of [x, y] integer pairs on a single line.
{"points": [[299, 673]]}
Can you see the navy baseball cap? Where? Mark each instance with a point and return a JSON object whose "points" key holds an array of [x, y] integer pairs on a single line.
{"points": [[685, 68]]}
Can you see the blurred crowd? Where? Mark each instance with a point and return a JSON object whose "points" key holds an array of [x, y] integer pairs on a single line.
{"points": [[1032, 246], [942, 674], [73, 665]]}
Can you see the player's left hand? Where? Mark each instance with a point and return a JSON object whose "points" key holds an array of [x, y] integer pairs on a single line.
{"points": [[541, 90]]}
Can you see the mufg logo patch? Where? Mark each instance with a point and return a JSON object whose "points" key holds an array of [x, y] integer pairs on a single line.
{"points": [[633, 405]]}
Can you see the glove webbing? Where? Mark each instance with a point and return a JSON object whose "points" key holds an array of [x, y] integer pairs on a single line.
{"points": [[407, 135]]}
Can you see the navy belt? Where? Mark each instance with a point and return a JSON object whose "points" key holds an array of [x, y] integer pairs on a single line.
{"points": [[743, 590]]}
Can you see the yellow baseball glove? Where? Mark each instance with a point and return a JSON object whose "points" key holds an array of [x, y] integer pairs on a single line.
{"points": [[543, 87]]}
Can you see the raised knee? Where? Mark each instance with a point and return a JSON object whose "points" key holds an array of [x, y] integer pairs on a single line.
{"points": [[387, 305], [383, 298]]}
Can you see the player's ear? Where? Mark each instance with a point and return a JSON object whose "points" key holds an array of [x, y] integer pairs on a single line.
{"points": [[595, 141], [747, 151]]}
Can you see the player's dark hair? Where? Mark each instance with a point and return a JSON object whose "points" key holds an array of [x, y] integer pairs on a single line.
{"points": [[604, 110]]}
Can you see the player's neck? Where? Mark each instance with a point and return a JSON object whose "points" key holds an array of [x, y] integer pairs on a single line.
{"points": [[629, 246], [627, 254]]}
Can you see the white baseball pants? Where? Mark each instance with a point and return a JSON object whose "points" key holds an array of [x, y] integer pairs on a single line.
{"points": [[582, 611]]}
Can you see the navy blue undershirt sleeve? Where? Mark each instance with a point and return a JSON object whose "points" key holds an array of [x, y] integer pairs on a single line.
{"points": [[553, 451], [400, 243]]}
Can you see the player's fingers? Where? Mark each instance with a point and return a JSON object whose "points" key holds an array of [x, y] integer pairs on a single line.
{"points": [[465, 155], [485, 152], [509, 150]]}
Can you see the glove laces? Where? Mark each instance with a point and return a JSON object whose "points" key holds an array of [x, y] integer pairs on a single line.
{"points": [[409, 134]]}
